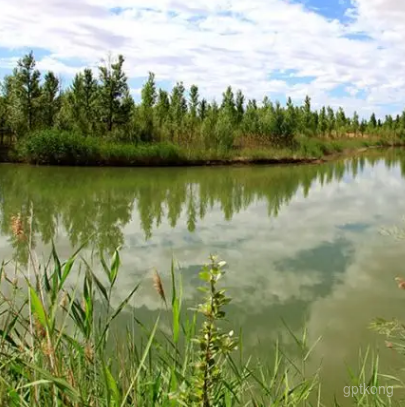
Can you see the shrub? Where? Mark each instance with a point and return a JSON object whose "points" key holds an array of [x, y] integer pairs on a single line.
{"points": [[67, 148]]}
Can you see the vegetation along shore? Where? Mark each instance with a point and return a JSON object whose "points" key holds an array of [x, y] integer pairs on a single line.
{"points": [[95, 121]]}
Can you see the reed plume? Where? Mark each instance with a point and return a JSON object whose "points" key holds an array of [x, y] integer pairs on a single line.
{"points": [[17, 227], [401, 283], [157, 284]]}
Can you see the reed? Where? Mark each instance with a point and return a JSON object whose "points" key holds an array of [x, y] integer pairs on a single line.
{"points": [[58, 346]]}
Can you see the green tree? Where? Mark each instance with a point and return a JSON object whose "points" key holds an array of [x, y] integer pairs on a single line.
{"points": [[14, 114], [224, 131], [250, 123], [148, 101], [331, 122], [73, 111], [114, 94], [194, 101], [90, 94], [29, 89], [239, 104], [289, 122], [3, 119], [266, 102], [162, 108], [363, 127], [50, 99], [202, 111], [340, 121], [373, 121], [228, 105], [322, 122], [178, 109], [355, 123], [308, 123], [389, 122]]}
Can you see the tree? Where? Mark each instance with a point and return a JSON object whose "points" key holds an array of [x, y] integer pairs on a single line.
{"points": [[308, 123], [355, 123], [191, 123], [340, 121], [373, 121], [29, 90], [3, 119], [289, 123], [322, 122], [178, 103], [114, 94], [90, 93], [330, 120], [363, 127], [228, 105], [266, 102], [202, 109], [389, 122], [194, 102], [148, 100], [13, 111], [240, 109], [50, 99], [162, 107], [251, 123]]}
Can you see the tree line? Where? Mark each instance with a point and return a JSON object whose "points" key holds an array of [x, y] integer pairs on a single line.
{"points": [[102, 106]]}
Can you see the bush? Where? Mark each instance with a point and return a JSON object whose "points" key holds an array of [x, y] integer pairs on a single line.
{"points": [[67, 148], [58, 147]]}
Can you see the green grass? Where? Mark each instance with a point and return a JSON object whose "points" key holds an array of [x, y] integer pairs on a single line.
{"points": [[55, 147], [59, 347]]}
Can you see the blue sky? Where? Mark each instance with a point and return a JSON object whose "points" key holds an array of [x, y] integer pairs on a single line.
{"points": [[346, 53]]}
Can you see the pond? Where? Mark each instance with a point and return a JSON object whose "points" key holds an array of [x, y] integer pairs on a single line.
{"points": [[302, 243]]}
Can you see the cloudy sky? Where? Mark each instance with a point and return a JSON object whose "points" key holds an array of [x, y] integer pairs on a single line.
{"points": [[340, 52]]}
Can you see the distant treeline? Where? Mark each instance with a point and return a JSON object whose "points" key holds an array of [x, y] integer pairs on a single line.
{"points": [[103, 107]]}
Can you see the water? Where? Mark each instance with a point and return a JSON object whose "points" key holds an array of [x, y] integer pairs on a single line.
{"points": [[303, 243]]}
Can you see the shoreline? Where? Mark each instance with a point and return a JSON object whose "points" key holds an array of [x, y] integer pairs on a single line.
{"points": [[216, 162]]}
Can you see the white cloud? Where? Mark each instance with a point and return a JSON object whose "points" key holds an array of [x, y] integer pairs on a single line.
{"points": [[215, 43]]}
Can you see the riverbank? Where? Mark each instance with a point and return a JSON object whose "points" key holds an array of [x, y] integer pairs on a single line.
{"points": [[64, 148]]}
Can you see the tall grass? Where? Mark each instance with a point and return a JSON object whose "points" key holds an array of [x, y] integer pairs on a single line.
{"points": [[58, 347], [69, 148]]}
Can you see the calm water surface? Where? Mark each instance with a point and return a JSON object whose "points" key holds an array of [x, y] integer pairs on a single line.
{"points": [[303, 243]]}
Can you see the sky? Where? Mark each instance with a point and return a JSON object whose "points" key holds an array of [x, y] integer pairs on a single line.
{"points": [[348, 53]]}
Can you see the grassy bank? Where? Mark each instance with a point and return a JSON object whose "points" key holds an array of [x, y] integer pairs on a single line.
{"points": [[59, 347], [66, 148]]}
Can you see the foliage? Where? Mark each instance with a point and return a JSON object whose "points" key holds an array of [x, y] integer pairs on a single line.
{"points": [[68, 148], [57, 344], [104, 108]]}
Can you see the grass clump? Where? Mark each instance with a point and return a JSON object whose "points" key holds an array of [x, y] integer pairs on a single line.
{"points": [[69, 148], [58, 348], [55, 147]]}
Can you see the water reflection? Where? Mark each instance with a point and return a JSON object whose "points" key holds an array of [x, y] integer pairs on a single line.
{"points": [[302, 242]]}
